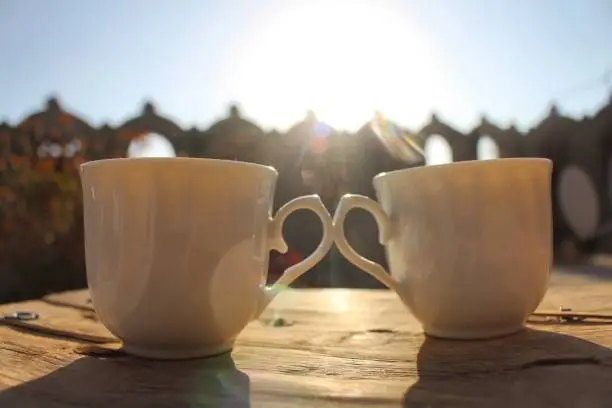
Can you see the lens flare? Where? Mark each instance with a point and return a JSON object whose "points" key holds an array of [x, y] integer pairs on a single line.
{"points": [[399, 143]]}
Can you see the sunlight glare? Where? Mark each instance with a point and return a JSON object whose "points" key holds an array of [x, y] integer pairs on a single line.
{"points": [[487, 148], [152, 145], [437, 150], [400, 144], [344, 59], [340, 301]]}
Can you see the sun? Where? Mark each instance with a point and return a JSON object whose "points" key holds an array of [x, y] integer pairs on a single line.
{"points": [[343, 59]]}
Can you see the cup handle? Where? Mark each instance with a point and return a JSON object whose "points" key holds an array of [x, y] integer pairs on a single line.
{"points": [[277, 242], [347, 203]]}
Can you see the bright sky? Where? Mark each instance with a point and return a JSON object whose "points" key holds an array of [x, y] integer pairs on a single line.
{"points": [[279, 58]]}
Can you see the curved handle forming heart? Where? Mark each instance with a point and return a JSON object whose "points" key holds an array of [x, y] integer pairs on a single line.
{"points": [[347, 203], [277, 242]]}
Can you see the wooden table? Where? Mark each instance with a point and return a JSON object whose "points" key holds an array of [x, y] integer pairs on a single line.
{"points": [[339, 348]]}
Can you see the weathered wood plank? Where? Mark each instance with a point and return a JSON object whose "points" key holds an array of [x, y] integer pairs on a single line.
{"points": [[342, 348]]}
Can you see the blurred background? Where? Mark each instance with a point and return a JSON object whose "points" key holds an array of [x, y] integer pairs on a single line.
{"points": [[329, 92]]}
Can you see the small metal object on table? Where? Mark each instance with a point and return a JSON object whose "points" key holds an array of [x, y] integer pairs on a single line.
{"points": [[567, 315], [340, 348], [21, 316]]}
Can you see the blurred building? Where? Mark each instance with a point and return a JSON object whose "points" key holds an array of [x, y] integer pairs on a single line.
{"points": [[311, 157]]}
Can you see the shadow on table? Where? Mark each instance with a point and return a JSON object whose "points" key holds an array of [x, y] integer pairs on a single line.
{"points": [[529, 369], [130, 382]]}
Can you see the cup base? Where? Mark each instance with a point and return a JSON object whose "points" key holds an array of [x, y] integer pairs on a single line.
{"points": [[483, 333], [177, 354]]}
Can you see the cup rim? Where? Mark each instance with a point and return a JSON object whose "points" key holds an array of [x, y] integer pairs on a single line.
{"points": [[458, 164], [218, 162]]}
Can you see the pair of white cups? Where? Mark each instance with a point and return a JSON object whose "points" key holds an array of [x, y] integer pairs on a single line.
{"points": [[177, 248]]}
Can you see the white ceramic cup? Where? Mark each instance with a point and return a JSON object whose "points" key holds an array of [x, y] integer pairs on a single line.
{"points": [[177, 250], [469, 244]]}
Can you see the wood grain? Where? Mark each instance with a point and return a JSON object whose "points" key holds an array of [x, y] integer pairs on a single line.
{"points": [[339, 348]]}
